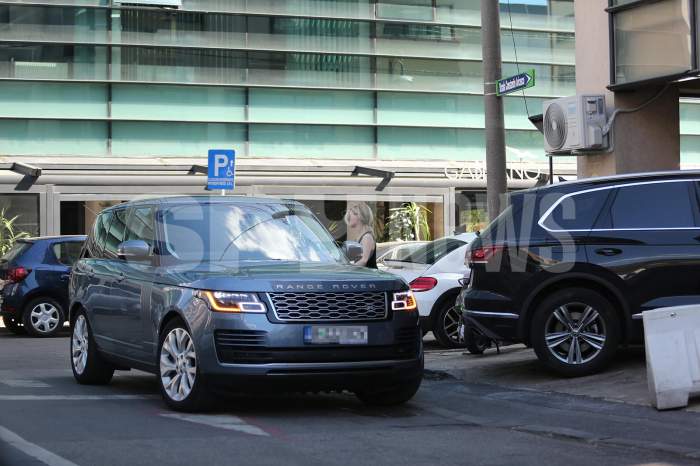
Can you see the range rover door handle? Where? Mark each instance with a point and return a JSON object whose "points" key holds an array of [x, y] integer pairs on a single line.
{"points": [[608, 251]]}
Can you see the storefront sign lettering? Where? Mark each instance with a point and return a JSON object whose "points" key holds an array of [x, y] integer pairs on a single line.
{"points": [[477, 172]]}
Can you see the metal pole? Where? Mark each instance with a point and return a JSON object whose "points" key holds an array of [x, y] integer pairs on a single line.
{"points": [[493, 107]]}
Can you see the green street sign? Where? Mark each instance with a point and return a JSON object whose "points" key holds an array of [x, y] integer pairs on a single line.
{"points": [[516, 83]]}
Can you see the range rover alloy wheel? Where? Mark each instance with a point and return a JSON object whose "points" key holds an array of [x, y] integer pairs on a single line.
{"points": [[575, 332], [179, 377], [43, 317], [89, 368]]}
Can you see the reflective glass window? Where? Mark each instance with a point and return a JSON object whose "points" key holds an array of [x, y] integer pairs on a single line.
{"points": [[311, 141], [311, 106], [55, 137], [653, 205], [141, 225], [35, 61], [24, 208], [652, 40], [420, 10], [163, 139], [578, 212], [58, 100], [117, 233], [41, 23], [189, 103], [67, 252], [178, 65]]}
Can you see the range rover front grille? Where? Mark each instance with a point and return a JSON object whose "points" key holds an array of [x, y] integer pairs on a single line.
{"points": [[329, 306]]}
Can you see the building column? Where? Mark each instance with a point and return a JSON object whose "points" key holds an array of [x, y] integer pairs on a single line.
{"points": [[646, 140]]}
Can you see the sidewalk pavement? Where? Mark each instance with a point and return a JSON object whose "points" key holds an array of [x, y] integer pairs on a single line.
{"points": [[517, 367]]}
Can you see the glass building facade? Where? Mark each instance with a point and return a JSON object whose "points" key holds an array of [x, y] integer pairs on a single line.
{"points": [[327, 79], [362, 81]]}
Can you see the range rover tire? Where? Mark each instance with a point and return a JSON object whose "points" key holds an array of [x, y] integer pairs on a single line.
{"points": [[89, 368], [13, 325], [179, 378], [446, 325], [390, 397], [43, 317], [575, 332]]}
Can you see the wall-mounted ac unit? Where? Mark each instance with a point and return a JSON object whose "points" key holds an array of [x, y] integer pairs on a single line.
{"points": [[574, 124]]}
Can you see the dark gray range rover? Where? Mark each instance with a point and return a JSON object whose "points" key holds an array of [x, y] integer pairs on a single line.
{"points": [[236, 294]]}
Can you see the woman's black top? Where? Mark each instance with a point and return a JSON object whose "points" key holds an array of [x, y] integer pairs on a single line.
{"points": [[372, 261]]}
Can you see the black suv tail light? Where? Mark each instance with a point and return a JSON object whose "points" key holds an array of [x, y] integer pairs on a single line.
{"points": [[17, 274], [482, 255]]}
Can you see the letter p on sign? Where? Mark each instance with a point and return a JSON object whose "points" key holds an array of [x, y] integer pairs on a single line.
{"points": [[221, 169]]}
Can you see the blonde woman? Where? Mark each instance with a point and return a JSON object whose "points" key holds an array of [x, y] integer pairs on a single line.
{"points": [[360, 220]]}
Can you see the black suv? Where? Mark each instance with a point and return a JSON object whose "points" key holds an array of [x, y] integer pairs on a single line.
{"points": [[569, 268]]}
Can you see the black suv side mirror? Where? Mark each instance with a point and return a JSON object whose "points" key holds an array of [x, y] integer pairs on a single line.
{"points": [[134, 250], [353, 250]]}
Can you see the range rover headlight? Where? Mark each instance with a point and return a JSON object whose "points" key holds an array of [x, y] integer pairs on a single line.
{"points": [[225, 301], [404, 301]]}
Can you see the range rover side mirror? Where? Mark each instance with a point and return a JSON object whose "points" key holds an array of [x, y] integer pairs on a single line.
{"points": [[353, 250], [134, 250]]}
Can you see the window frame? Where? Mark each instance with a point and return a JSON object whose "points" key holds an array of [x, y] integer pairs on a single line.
{"points": [[60, 244], [693, 200], [612, 9]]}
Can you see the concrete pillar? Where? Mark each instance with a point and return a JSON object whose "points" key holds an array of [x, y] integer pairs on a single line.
{"points": [[647, 140]]}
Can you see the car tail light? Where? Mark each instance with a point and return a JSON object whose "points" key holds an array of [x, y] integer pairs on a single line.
{"points": [[423, 284], [482, 254], [17, 274]]}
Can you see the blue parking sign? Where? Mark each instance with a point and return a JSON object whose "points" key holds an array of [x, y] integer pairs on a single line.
{"points": [[221, 169]]}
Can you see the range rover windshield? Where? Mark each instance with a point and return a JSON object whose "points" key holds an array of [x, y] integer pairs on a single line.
{"points": [[215, 232]]}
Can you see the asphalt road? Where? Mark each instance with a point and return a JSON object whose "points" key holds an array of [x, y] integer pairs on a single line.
{"points": [[47, 419]]}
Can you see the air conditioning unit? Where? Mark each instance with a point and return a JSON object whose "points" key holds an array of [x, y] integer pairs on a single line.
{"points": [[574, 124]]}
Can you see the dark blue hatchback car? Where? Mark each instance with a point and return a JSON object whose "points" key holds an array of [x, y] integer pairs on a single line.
{"points": [[34, 276]]}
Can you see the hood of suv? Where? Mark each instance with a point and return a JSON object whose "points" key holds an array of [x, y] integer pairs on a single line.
{"points": [[280, 277]]}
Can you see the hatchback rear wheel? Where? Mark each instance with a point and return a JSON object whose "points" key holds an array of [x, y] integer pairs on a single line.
{"points": [[43, 317], [575, 332]]}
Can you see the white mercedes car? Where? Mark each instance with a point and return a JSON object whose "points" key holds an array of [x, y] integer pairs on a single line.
{"points": [[434, 271]]}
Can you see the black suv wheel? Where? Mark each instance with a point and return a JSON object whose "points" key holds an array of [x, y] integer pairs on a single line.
{"points": [[575, 332]]}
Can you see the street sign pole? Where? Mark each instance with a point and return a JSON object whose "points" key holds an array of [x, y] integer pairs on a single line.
{"points": [[493, 107]]}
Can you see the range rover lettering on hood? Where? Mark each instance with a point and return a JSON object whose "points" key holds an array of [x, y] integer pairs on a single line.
{"points": [[323, 286]]}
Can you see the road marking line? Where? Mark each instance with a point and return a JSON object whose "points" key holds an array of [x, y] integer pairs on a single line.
{"points": [[221, 421], [24, 383], [75, 397], [30, 449]]}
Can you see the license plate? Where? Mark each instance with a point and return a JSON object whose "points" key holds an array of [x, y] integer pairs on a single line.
{"points": [[340, 335]]}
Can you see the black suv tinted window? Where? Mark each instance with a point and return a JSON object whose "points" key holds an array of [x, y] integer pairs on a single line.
{"points": [[116, 233], [67, 253], [577, 212], [141, 225], [653, 205]]}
